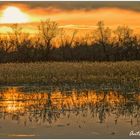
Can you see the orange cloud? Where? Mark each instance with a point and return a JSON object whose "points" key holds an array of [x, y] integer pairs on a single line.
{"points": [[81, 18]]}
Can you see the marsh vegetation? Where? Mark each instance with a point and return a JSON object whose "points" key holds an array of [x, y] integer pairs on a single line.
{"points": [[106, 74]]}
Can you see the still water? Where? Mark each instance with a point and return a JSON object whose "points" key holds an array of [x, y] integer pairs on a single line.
{"points": [[68, 114]]}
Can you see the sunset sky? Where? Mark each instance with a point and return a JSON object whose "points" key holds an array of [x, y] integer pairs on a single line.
{"points": [[79, 15]]}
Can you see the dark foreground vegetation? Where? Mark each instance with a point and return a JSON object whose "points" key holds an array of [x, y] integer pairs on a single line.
{"points": [[103, 45], [103, 74]]}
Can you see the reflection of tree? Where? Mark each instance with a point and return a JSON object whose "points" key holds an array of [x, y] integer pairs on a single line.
{"points": [[102, 108], [49, 107]]}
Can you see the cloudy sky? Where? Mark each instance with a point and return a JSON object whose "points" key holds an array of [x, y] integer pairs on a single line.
{"points": [[72, 14]]}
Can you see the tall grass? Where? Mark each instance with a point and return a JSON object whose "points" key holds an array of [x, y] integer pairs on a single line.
{"points": [[53, 73]]}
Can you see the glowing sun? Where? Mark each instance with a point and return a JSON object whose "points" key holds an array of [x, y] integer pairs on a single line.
{"points": [[13, 15]]}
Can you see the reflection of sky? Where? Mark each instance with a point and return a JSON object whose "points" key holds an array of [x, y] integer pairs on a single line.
{"points": [[85, 113], [15, 101]]}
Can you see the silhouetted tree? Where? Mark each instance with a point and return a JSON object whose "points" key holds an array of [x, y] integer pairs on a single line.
{"points": [[48, 30], [127, 43], [102, 37], [18, 46]]}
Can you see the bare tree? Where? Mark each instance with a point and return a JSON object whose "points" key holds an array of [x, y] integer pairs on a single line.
{"points": [[102, 36], [123, 34], [15, 35], [48, 30], [67, 43], [127, 41]]}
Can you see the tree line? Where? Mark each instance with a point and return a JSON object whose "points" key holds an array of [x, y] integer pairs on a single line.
{"points": [[104, 45]]}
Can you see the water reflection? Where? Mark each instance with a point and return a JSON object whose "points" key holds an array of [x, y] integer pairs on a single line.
{"points": [[48, 107]]}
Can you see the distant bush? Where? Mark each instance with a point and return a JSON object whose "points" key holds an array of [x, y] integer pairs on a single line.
{"points": [[105, 45]]}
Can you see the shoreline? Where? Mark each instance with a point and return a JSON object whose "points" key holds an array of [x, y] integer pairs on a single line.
{"points": [[69, 87]]}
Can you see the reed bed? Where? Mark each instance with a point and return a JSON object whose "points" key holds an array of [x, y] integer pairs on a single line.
{"points": [[55, 73]]}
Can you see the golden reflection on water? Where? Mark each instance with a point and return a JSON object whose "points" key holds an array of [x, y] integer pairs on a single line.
{"points": [[14, 102]]}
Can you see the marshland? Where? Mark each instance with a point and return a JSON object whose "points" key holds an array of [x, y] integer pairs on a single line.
{"points": [[53, 84], [87, 88], [69, 69], [101, 74]]}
